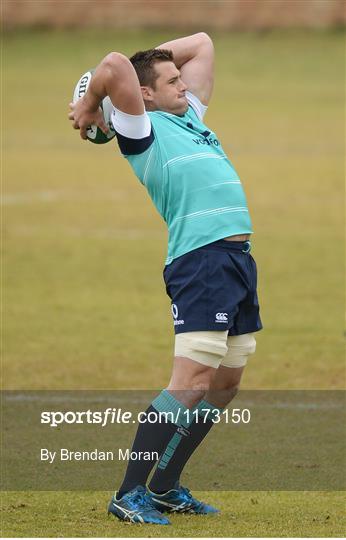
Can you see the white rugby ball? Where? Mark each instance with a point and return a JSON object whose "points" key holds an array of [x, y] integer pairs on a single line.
{"points": [[94, 133]]}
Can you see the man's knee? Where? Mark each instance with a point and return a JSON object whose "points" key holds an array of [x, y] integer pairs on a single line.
{"points": [[190, 381], [190, 376], [224, 386], [230, 392]]}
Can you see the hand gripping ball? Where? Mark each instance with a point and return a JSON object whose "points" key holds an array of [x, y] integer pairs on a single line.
{"points": [[94, 133]]}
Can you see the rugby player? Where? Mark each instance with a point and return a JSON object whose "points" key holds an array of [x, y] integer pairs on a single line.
{"points": [[160, 97]]}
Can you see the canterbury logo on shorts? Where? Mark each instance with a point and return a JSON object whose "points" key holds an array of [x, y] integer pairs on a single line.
{"points": [[221, 318]]}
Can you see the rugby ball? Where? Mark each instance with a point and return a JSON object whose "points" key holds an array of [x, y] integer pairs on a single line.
{"points": [[94, 133]]}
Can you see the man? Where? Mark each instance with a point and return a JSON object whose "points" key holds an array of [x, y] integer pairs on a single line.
{"points": [[160, 97]]}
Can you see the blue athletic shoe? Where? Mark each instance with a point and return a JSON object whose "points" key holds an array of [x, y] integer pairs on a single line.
{"points": [[136, 506], [180, 500]]}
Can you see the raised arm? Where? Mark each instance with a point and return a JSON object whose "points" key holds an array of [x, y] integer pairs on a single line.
{"points": [[114, 77], [194, 57]]}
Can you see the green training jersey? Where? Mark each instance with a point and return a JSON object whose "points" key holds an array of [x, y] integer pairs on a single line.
{"points": [[191, 181]]}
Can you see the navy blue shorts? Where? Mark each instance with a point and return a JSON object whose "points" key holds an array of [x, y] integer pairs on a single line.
{"points": [[214, 288]]}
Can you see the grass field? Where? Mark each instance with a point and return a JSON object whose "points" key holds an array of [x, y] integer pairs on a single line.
{"points": [[84, 249]]}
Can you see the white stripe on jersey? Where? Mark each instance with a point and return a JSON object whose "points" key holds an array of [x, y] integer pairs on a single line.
{"points": [[192, 157], [214, 211], [147, 165], [213, 185]]}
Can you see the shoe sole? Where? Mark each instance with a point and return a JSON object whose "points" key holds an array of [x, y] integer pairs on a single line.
{"points": [[130, 522], [166, 510]]}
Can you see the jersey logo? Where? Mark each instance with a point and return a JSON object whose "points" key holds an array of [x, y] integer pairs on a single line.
{"points": [[209, 142], [204, 139]]}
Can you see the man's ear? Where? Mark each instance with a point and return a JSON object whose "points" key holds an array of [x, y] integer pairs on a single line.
{"points": [[147, 93]]}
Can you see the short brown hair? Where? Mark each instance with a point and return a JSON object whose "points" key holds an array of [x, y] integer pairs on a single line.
{"points": [[144, 61]]}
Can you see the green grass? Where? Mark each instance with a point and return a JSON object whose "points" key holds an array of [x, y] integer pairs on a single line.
{"points": [[84, 250], [244, 514]]}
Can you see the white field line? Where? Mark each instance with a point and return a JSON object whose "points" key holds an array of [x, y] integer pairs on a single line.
{"points": [[23, 397], [30, 198], [48, 196], [87, 233], [62, 399]]}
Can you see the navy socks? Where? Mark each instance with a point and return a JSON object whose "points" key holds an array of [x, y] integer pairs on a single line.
{"points": [[179, 450], [153, 437]]}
